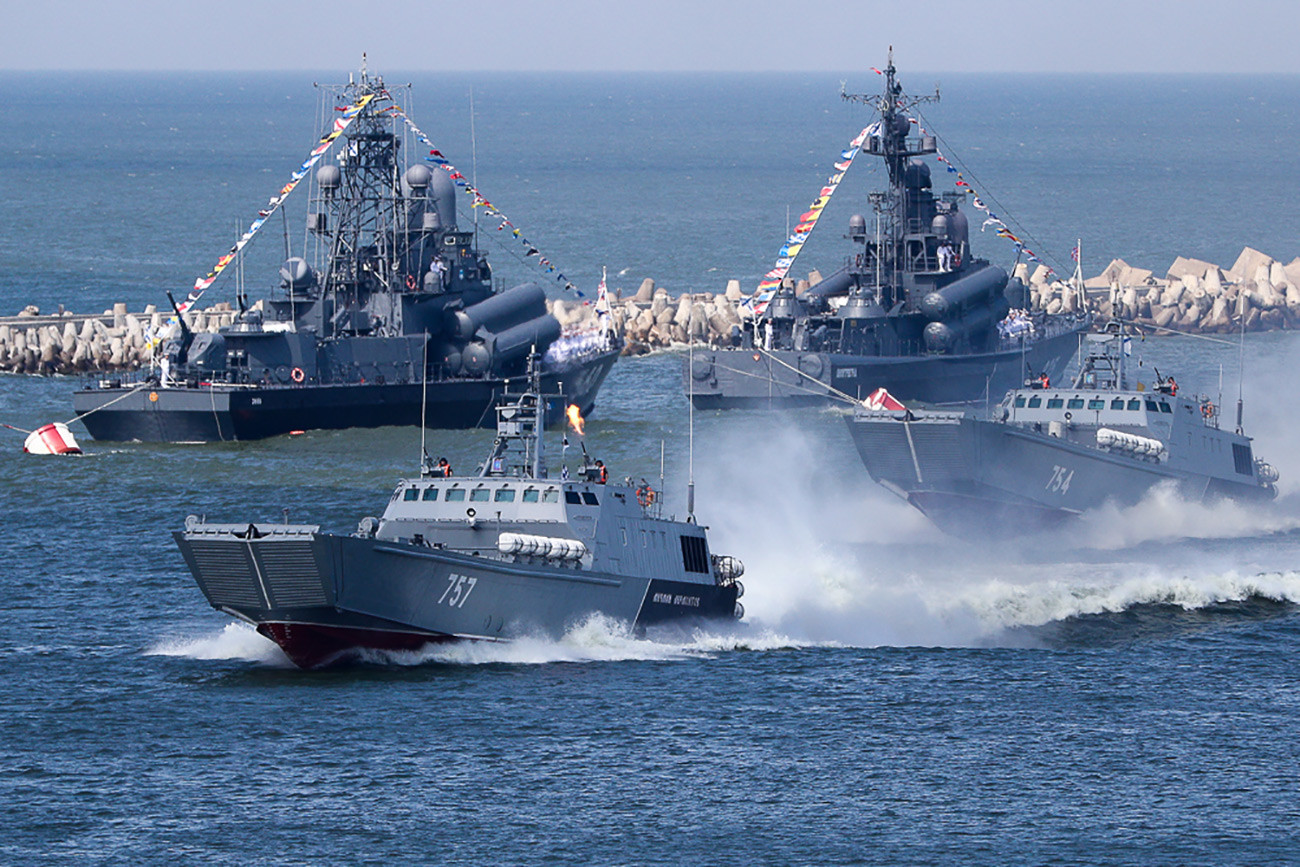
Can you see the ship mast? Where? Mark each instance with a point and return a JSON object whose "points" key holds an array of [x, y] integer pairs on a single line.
{"points": [[897, 214]]}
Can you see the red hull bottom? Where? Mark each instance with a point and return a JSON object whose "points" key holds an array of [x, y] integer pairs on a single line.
{"points": [[312, 645]]}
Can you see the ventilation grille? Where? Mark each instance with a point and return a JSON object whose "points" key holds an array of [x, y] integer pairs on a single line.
{"points": [[290, 572], [226, 575]]}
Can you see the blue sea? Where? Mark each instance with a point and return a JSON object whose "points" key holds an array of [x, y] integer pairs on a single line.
{"points": [[1122, 692]]}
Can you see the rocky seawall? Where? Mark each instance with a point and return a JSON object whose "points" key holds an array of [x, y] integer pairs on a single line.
{"points": [[1195, 296]]}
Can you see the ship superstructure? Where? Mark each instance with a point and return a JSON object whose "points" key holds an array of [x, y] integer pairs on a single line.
{"points": [[912, 309]]}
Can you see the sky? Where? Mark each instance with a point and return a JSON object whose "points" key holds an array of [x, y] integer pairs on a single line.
{"points": [[1019, 36]]}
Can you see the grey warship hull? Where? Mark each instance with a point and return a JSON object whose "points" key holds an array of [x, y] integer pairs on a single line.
{"points": [[320, 595], [227, 411], [975, 476], [786, 379]]}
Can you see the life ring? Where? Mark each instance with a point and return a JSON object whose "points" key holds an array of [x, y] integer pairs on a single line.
{"points": [[645, 495], [410, 281], [297, 375], [1207, 409]]}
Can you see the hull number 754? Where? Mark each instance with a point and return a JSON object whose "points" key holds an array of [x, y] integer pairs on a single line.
{"points": [[1060, 480]]}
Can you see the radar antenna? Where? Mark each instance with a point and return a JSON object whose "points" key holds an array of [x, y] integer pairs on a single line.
{"points": [[893, 99]]}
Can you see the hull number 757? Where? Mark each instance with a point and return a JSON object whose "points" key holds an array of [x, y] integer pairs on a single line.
{"points": [[458, 589]]}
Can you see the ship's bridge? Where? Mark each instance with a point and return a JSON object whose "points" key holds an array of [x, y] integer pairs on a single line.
{"points": [[1160, 414], [564, 523]]}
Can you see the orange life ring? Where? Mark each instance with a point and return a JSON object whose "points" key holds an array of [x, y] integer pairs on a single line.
{"points": [[645, 495], [297, 375], [410, 281]]}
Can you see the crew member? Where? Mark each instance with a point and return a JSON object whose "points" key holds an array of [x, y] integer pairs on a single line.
{"points": [[944, 255], [1044, 381], [602, 475], [444, 467]]}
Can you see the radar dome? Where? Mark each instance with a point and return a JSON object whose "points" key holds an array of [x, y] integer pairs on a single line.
{"points": [[417, 177], [329, 176], [297, 275]]}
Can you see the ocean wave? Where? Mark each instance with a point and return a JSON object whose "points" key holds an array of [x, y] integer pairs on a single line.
{"points": [[1002, 606]]}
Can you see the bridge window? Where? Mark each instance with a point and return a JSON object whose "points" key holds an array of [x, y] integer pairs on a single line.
{"points": [[1055, 403], [572, 498], [1075, 403], [411, 494], [1134, 403], [455, 495], [478, 495], [504, 495], [590, 499], [1035, 402], [1020, 401], [550, 495], [530, 495], [1117, 403], [1096, 403], [430, 493], [695, 554], [1165, 407], [1151, 406]]}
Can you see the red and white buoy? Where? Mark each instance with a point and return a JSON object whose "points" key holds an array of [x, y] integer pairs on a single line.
{"points": [[52, 439], [882, 399]]}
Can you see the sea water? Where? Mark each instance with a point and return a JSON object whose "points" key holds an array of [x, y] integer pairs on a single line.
{"points": [[1123, 691]]}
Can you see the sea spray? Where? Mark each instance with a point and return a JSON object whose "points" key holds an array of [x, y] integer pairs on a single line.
{"points": [[236, 641]]}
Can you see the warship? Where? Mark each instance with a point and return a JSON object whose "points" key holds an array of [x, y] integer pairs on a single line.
{"points": [[399, 312], [511, 551], [1047, 454], [912, 309]]}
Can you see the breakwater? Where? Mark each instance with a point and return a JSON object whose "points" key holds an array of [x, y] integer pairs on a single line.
{"points": [[1256, 292]]}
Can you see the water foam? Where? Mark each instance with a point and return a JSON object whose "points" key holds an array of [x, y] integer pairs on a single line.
{"points": [[597, 638], [1162, 515], [235, 641]]}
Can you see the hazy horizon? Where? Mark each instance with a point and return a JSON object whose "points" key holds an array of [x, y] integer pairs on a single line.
{"points": [[998, 36]]}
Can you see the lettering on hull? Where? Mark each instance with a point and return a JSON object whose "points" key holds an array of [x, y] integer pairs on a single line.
{"points": [[677, 599]]}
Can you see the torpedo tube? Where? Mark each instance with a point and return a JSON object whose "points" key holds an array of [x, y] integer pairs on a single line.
{"points": [[963, 292]]}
